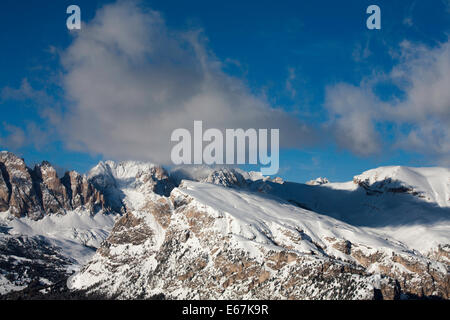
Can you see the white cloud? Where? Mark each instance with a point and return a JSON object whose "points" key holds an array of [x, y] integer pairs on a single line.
{"points": [[131, 81], [423, 75], [352, 111]]}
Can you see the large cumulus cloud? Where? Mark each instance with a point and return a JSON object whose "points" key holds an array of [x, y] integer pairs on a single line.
{"points": [[130, 81]]}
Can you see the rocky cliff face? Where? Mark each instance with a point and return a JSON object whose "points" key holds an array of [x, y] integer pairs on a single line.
{"points": [[37, 192], [226, 177], [20, 194]]}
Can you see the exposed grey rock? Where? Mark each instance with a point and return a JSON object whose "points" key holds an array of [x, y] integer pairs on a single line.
{"points": [[39, 192]]}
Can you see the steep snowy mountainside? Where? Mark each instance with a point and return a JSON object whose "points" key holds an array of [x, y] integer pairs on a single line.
{"points": [[422, 238], [400, 201], [213, 242], [408, 203], [255, 217], [39, 203], [68, 212], [224, 233], [69, 216], [25, 260], [430, 184], [386, 196], [224, 176], [49, 248], [77, 233], [59, 222], [129, 180]]}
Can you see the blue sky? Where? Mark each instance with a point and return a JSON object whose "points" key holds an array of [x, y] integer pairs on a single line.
{"points": [[303, 57]]}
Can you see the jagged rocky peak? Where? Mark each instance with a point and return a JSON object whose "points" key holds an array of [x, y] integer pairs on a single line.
{"points": [[83, 193], [110, 176], [257, 176], [5, 188], [223, 176], [22, 198], [55, 198], [128, 169], [226, 177], [35, 193], [318, 181]]}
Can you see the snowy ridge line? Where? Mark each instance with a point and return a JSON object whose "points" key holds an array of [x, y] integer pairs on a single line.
{"points": [[253, 215]]}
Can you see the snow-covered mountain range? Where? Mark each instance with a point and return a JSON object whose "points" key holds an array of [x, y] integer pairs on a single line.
{"points": [[133, 230]]}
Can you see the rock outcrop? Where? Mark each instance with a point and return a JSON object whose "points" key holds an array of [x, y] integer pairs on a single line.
{"points": [[37, 192]]}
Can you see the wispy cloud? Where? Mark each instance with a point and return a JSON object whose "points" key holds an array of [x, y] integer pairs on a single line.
{"points": [[289, 82], [25, 92], [360, 52], [14, 137]]}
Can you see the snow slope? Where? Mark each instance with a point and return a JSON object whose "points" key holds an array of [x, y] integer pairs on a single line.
{"points": [[254, 217], [78, 234], [251, 211], [226, 239], [386, 196], [431, 184]]}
